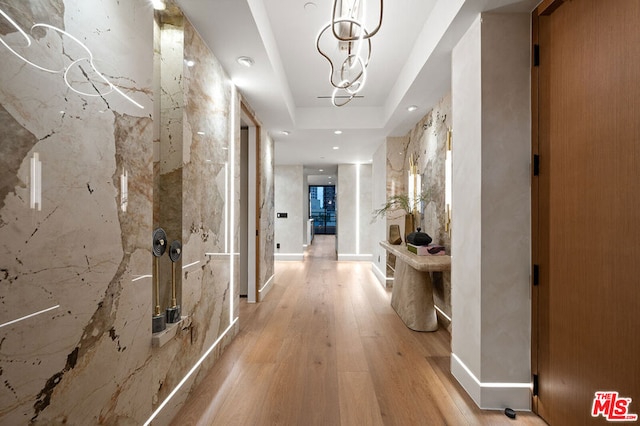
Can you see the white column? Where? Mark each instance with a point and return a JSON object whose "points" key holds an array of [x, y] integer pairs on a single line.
{"points": [[491, 211]]}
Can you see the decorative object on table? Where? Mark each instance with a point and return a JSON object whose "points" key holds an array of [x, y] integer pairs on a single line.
{"points": [[159, 247], [394, 235], [430, 250], [419, 238], [173, 312], [403, 202], [411, 202], [409, 224]]}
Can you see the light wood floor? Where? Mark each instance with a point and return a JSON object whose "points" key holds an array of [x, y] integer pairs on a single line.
{"points": [[326, 348]]}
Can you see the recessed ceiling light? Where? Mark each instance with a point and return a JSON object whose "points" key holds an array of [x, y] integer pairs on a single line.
{"points": [[412, 108], [309, 5], [321, 170], [158, 4], [245, 61], [190, 63], [285, 132], [338, 132], [336, 147]]}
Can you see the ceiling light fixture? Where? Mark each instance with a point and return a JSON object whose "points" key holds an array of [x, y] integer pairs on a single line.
{"points": [[285, 132], [336, 147], [338, 132], [245, 61], [309, 5], [412, 108], [353, 40], [158, 4], [96, 77]]}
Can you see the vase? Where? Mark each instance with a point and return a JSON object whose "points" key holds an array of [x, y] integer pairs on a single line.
{"points": [[408, 224], [394, 235]]}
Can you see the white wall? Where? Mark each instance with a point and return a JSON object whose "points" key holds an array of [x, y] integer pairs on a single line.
{"points": [[354, 205], [289, 198], [491, 211]]}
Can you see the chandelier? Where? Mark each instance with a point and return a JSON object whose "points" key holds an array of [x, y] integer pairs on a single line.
{"points": [[346, 43]]}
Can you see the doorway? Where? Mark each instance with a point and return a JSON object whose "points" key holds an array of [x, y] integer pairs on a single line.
{"points": [[249, 206], [322, 209], [586, 199]]}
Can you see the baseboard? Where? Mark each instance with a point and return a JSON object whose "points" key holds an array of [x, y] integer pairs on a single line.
{"points": [[491, 396], [289, 256], [355, 257], [386, 282], [266, 288]]}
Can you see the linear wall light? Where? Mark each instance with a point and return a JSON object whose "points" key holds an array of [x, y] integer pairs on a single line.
{"points": [[36, 182], [448, 182]]}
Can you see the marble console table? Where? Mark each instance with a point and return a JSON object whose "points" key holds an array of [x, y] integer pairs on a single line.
{"points": [[412, 292]]}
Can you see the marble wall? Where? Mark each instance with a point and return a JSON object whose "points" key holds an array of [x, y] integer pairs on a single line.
{"points": [[426, 143], [267, 215], [199, 189], [82, 263]]}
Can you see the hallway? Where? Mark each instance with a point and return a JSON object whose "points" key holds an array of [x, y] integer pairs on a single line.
{"points": [[326, 348]]}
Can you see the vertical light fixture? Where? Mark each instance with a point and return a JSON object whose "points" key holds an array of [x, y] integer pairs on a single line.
{"points": [[231, 198], [448, 180], [358, 208], [36, 182], [415, 185], [226, 207], [124, 190]]}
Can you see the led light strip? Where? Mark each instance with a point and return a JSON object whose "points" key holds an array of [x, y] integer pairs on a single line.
{"points": [[442, 313], [29, 316], [65, 70], [231, 196], [141, 277], [358, 208], [186, 377], [490, 384], [36, 182], [191, 264]]}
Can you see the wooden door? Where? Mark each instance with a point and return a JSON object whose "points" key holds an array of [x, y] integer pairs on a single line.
{"points": [[586, 206]]}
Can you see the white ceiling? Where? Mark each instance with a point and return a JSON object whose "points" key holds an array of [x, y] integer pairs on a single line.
{"points": [[410, 65]]}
